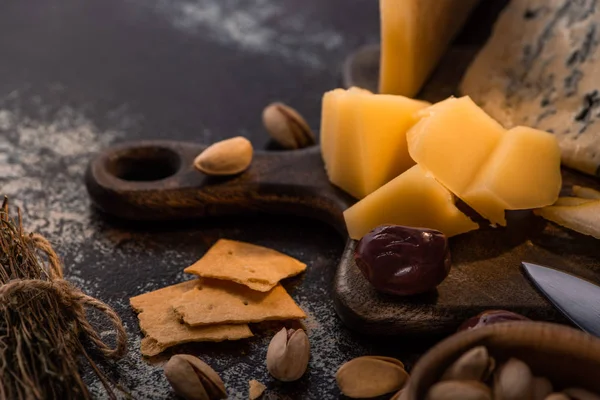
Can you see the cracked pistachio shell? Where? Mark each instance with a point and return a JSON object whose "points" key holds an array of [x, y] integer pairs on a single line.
{"points": [[227, 157], [193, 379], [464, 390], [287, 127], [371, 376], [513, 381], [288, 355], [475, 365]]}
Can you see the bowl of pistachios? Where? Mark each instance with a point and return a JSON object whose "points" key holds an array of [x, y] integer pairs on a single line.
{"points": [[513, 360]]}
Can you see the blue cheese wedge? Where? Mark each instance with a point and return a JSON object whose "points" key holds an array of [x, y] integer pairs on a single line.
{"points": [[541, 68]]}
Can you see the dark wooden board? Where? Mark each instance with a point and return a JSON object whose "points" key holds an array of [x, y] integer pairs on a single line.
{"points": [[157, 181], [486, 264]]}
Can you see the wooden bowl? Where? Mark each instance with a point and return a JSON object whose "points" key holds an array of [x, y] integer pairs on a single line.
{"points": [[568, 357]]}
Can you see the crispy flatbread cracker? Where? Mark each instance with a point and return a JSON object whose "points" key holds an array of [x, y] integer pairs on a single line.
{"points": [[163, 327], [215, 301], [257, 267], [256, 389]]}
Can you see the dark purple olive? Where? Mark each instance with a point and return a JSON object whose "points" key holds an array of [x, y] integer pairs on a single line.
{"points": [[402, 260], [491, 317]]}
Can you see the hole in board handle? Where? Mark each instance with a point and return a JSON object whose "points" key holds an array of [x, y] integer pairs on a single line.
{"points": [[145, 164]]}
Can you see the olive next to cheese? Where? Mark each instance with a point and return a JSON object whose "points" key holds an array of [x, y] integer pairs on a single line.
{"points": [[402, 260]]}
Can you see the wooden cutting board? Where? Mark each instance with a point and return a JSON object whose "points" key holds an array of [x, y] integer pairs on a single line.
{"points": [[155, 180]]}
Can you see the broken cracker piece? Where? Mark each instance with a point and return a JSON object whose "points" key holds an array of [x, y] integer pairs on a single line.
{"points": [[256, 389], [163, 329], [257, 267], [215, 301]]}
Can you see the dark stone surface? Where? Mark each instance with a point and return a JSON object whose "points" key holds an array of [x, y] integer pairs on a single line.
{"points": [[78, 76]]}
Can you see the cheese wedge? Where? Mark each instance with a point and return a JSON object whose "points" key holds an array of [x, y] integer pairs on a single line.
{"points": [[339, 140], [363, 138], [541, 68], [414, 199], [523, 172], [453, 140], [414, 36], [489, 168]]}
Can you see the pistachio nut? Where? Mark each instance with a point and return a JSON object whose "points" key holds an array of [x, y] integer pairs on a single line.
{"points": [[542, 388], [557, 396], [288, 354], [227, 157], [476, 364], [513, 381], [464, 390], [580, 394], [370, 376], [287, 127], [256, 389], [193, 379]]}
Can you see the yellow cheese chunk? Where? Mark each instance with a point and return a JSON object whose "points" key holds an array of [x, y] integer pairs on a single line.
{"points": [[414, 199], [453, 140], [523, 172], [363, 138], [489, 168], [338, 138], [330, 102], [414, 36]]}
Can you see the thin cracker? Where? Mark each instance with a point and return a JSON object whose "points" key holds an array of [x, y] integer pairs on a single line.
{"points": [[215, 301], [257, 267], [163, 327], [255, 389]]}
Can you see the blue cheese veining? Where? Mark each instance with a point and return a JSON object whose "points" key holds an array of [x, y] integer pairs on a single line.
{"points": [[541, 68]]}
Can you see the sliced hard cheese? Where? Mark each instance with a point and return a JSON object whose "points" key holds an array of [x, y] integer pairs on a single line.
{"points": [[453, 140], [541, 68], [414, 36], [523, 172], [412, 199], [329, 103], [364, 138], [586, 192], [571, 201], [338, 138], [583, 218], [490, 169]]}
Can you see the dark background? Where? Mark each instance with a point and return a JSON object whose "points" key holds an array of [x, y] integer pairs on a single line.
{"points": [[77, 76]]}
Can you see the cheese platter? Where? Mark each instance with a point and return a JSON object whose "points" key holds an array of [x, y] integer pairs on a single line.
{"points": [[443, 171], [156, 180]]}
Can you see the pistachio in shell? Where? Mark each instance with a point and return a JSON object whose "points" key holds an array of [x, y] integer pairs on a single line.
{"points": [[227, 157], [513, 381], [288, 355], [476, 364], [287, 127], [463, 390], [193, 379], [370, 376]]}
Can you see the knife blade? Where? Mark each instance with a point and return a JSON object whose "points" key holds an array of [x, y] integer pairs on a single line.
{"points": [[576, 298]]}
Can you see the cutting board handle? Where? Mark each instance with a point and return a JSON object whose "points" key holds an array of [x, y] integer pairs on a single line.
{"points": [[156, 180]]}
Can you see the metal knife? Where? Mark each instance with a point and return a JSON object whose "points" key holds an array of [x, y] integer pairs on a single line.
{"points": [[576, 298]]}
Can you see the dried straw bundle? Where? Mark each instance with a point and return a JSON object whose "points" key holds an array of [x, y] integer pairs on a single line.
{"points": [[43, 324]]}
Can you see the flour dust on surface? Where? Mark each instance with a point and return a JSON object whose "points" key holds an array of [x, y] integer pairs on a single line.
{"points": [[258, 26]]}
